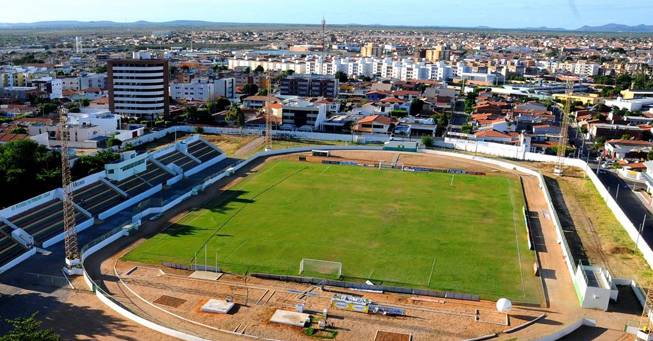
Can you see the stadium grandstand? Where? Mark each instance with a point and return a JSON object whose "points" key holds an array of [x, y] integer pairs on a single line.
{"points": [[97, 197], [202, 151], [9, 248], [122, 184], [178, 158], [45, 221]]}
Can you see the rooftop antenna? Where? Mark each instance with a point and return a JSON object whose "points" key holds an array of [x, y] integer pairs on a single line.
{"points": [[73, 264], [564, 129]]}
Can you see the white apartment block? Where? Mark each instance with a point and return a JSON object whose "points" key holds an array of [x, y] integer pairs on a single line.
{"points": [[203, 91], [404, 69]]}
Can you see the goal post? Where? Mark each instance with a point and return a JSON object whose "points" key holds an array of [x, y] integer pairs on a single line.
{"points": [[320, 268]]}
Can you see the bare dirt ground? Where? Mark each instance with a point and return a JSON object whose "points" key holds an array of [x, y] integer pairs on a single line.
{"points": [[600, 239], [137, 286], [230, 144]]}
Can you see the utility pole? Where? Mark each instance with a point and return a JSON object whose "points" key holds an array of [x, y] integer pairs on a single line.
{"points": [[73, 264]]}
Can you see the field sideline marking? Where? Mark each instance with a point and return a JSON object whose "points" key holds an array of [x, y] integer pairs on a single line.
{"points": [[514, 224], [431, 274]]}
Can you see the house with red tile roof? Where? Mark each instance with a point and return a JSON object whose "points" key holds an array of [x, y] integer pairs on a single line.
{"points": [[374, 124], [620, 149]]}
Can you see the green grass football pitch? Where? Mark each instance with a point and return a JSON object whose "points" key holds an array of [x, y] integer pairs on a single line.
{"points": [[392, 227]]}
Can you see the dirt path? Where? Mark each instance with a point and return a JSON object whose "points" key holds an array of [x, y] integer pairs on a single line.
{"points": [[250, 148]]}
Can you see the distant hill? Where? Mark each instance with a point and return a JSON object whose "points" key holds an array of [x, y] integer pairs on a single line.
{"points": [[617, 28], [71, 24]]}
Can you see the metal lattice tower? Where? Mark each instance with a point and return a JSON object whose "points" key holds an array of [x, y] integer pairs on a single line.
{"points": [[268, 114], [564, 129], [645, 319], [70, 236]]}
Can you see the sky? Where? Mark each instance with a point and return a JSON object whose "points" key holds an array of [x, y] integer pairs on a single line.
{"points": [[457, 13]]}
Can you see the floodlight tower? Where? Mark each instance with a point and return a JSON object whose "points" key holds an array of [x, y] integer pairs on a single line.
{"points": [[73, 264], [564, 129], [268, 114], [644, 333]]}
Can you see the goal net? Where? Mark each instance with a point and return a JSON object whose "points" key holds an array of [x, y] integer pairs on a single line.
{"points": [[320, 268]]}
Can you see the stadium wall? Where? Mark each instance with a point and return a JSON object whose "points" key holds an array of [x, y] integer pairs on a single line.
{"points": [[23, 257], [29, 204], [366, 138], [88, 180]]}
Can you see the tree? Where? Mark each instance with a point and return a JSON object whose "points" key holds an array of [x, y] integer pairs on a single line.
{"points": [[259, 69], [27, 169], [47, 108], [470, 101], [86, 102], [19, 130], [236, 115], [427, 141], [250, 89], [341, 77], [89, 164], [114, 142], [28, 328], [416, 106], [467, 129], [217, 105]]}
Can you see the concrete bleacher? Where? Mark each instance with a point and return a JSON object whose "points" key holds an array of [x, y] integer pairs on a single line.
{"points": [[141, 182], [201, 150], [44, 221], [97, 197], [179, 159], [9, 248]]}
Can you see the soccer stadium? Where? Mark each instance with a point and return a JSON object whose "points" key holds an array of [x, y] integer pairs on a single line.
{"points": [[352, 242], [360, 223]]}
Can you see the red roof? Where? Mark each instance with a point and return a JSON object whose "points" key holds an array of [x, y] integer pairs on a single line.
{"points": [[391, 100], [492, 133], [376, 118], [630, 142]]}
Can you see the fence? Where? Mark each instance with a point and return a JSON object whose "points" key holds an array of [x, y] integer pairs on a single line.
{"points": [[366, 138], [362, 286]]}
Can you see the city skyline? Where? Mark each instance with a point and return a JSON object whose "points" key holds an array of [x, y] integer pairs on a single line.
{"points": [[568, 14]]}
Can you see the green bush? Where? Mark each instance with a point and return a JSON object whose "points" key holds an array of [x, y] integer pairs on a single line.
{"points": [[310, 331], [427, 141]]}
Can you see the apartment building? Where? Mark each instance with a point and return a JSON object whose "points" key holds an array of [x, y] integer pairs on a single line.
{"points": [[371, 50], [437, 54], [310, 86], [138, 88], [303, 115]]}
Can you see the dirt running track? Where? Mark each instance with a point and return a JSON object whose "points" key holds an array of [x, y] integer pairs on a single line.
{"points": [[561, 304]]}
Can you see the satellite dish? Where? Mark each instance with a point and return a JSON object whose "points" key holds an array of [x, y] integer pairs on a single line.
{"points": [[504, 305]]}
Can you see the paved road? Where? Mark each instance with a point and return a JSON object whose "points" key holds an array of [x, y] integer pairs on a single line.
{"points": [[30, 285], [629, 202]]}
